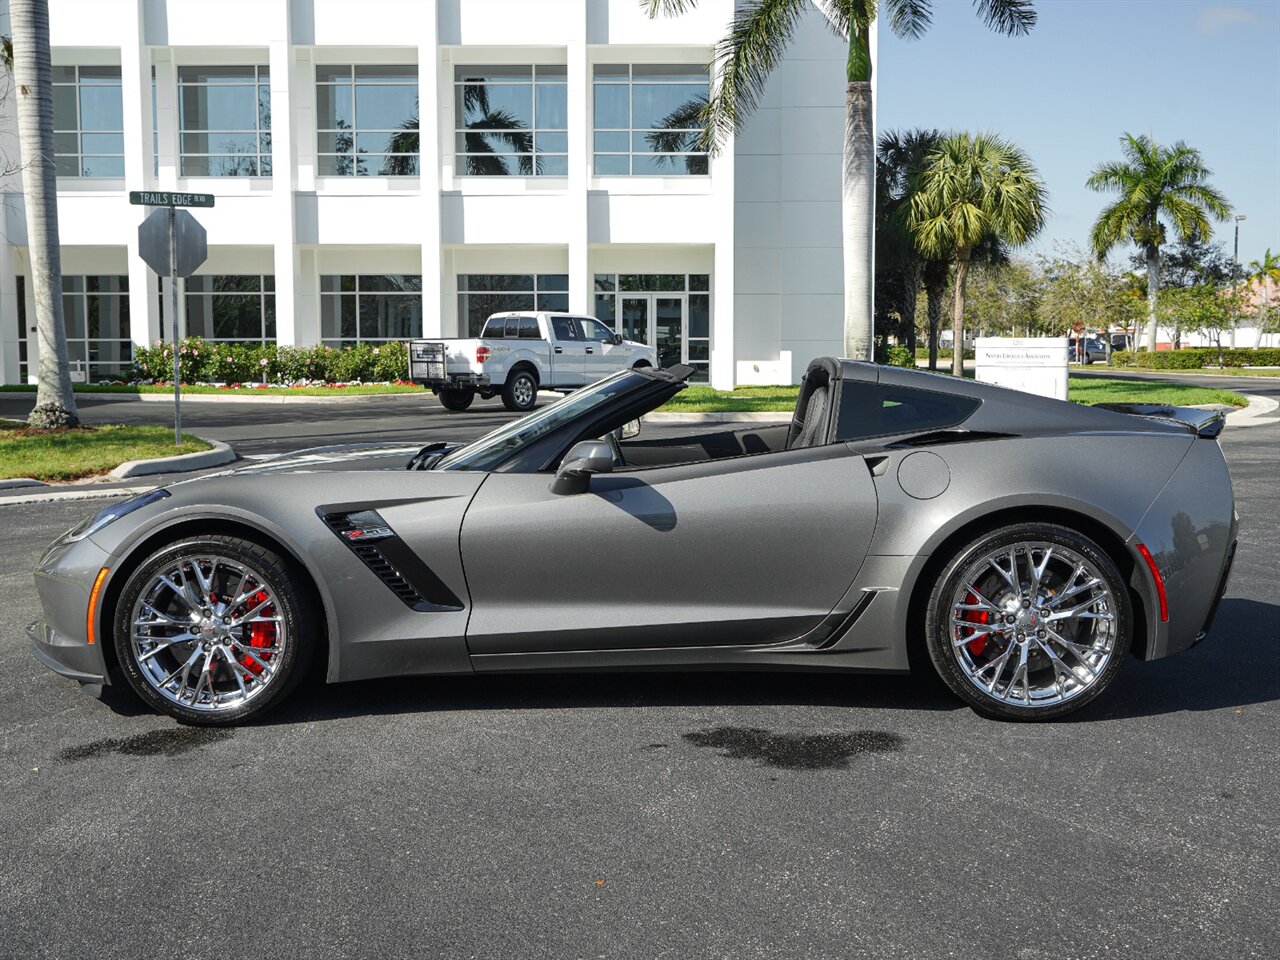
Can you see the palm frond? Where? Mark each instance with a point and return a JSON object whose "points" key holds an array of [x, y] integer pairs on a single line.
{"points": [[1013, 18], [6, 53], [909, 19], [742, 64], [678, 133], [667, 8]]}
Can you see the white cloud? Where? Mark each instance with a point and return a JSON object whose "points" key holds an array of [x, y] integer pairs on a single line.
{"points": [[1221, 17]]}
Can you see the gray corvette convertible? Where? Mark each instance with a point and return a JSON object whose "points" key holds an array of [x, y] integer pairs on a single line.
{"points": [[1025, 547]]}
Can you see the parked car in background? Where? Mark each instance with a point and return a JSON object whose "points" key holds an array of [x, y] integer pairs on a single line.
{"points": [[517, 354], [1121, 341], [1087, 351]]}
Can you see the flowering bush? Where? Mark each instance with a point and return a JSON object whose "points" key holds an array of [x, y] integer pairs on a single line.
{"points": [[242, 363]]}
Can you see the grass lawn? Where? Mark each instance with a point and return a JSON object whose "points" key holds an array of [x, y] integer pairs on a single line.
{"points": [[57, 455], [362, 390], [1083, 390]]}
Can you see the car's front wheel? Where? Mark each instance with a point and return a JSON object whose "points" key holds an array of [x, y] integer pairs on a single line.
{"points": [[1030, 622], [214, 630]]}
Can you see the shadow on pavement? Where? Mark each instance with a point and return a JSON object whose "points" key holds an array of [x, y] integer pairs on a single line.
{"points": [[1237, 665]]}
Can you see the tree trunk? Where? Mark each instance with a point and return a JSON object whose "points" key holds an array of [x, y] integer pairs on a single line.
{"points": [[957, 318], [1264, 314], [858, 214], [1153, 290], [33, 83], [911, 290]]}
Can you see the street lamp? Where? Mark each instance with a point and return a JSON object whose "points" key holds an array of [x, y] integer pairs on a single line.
{"points": [[1235, 271]]}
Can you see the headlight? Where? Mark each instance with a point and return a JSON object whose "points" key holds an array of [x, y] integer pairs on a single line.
{"points": [[111, 514]]}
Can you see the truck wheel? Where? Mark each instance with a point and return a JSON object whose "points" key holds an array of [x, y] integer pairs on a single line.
{"points": [[520, 392], [456, 398]]}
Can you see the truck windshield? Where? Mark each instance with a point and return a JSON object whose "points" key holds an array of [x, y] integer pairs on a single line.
{"points": [[494, 448]]}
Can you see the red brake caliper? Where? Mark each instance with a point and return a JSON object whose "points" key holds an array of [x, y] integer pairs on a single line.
{"points": [[978, 643], [260, 634]]}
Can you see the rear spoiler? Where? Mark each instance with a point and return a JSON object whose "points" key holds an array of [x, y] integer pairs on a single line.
{"points": [[1202, 423]]}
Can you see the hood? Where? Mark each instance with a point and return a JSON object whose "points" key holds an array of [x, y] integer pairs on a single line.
{"points": [[345, 456]]}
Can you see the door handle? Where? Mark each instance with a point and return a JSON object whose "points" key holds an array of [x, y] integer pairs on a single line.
{"points": [[589, 350], [559, 349]]}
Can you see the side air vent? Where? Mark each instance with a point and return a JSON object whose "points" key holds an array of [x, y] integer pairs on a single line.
{"points": [[389, 558]]}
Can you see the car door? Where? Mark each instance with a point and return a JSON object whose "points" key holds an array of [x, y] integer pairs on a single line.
{"points": [[569, 353], [740, 551], [603, 355]]}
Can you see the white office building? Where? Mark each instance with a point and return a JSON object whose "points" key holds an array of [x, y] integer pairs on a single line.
{"points": [[394, 168]]}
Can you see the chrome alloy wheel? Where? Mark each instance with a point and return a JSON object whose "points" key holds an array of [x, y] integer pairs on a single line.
{"points": [[522, 391], [206, 633], [1033, 624]]}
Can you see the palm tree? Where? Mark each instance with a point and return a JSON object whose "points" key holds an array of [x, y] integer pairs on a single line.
{"points": [[975, 189], [1265, 271], [1154, 183], [899, 157], [33, 80], [742, 63]]}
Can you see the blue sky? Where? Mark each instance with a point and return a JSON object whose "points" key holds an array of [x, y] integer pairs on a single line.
{"points": [[1204, 72]]}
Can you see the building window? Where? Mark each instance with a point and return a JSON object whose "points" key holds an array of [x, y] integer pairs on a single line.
{"points": [[369, 309], [367, 121], [232, 307], [669, 311], [511, 121], [647, 119], [96, 313], [224, 121], [483, 294], [21, 317], [88, 122]]}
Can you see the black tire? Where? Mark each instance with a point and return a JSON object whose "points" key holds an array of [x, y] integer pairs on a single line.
{"points": [[292, 604], [520, 392], [457, 398], [957, 655]]}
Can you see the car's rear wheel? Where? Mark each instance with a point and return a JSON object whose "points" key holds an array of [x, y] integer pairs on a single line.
{"points": [[214, 630], [520, 392], [456, 398], [1030, 622]]}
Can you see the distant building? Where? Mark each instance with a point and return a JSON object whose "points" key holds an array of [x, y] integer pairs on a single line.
{"points": [[391, 169]]}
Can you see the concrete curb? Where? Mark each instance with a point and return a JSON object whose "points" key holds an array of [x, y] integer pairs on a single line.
{"points": [[777, 416], [267, 396], [216, 457], [72, 492], [1255, 414], [18, 483]]}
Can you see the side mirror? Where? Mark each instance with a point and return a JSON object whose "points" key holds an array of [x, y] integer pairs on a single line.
{"points": [[617, 339], [630, 430], [582, 460]]}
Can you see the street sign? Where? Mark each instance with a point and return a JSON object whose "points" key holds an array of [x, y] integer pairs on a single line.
{"points": [[162, 198], [190, 242], [173, 244]]}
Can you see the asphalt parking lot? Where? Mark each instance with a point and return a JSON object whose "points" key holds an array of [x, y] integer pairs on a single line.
{"points": [[705, 815]]}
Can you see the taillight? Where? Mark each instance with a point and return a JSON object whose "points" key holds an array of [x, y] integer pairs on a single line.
{"points": [[482, 354]]}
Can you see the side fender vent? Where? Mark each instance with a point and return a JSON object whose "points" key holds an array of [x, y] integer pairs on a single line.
{"points": [[389, 558]]}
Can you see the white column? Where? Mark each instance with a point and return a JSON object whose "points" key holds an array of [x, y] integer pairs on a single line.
{"points": [[293, 326], [135, 92], [166, 117], [723, 368], [10, 333], [432, 86], [581, 282]]}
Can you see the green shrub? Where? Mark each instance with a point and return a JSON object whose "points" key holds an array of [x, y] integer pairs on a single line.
{"points": [[1196, 358], [201, 362], [895, 355]]}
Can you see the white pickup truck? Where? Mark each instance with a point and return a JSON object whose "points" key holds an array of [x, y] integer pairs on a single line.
{"points": [[520, 353]]}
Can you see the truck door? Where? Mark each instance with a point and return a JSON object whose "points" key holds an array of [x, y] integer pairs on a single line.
{"points": [[568, 353], [603, 355]]}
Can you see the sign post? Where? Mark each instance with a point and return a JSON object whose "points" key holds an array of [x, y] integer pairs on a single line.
{"points": [[173, 244]]}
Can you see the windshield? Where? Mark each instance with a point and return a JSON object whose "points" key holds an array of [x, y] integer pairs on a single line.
{"points": [[494, 448]]}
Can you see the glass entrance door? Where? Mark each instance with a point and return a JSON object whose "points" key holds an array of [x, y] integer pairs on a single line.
{"points": [[659, 320], [668, 323]]}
